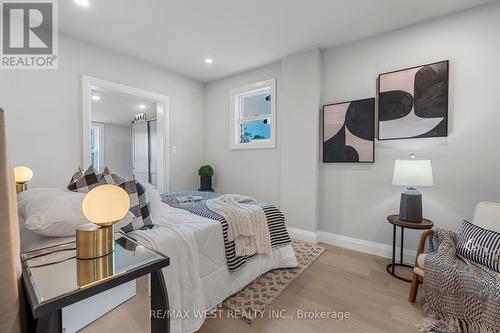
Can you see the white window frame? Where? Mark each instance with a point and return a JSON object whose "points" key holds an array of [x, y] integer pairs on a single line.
{"points": [[237, 116]]}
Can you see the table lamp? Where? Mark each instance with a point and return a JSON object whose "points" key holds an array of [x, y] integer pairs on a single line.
{"points": [[103, 206], [412, 173], [22, 175], [91, 270]]}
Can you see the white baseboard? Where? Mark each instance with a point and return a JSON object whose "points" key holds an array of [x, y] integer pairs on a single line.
{"points": [[356, 244], [303, 235]]}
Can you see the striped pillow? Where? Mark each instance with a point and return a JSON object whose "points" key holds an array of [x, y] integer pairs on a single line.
{"points": [[480, 245]]}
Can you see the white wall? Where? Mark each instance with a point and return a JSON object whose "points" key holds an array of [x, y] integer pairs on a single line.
{"points": [[298, 137], [44, 124], [354, 199], [286, 175], [254, 172], [118, 149], [44, 116]]}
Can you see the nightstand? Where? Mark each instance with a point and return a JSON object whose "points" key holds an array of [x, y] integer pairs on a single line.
{"points": [[397, 222], [54, 278]]}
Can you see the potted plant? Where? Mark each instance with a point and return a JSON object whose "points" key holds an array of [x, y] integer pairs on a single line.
{"points": [[206, 172]]}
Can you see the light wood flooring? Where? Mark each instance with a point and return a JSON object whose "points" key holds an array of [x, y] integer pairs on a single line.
{"points": [[340, 280]]}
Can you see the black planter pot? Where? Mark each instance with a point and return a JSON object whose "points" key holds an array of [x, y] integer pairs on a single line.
{"points": [[206, 184]]}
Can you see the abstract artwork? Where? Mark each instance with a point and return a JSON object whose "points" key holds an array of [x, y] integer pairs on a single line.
{"points": [[413, 103], [348, 131]]}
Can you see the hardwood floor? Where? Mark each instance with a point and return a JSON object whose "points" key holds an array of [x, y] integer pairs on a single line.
{"points": [[339, 281]]}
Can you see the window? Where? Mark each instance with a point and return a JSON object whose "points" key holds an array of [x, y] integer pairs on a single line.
{"points": [[253, 116]]}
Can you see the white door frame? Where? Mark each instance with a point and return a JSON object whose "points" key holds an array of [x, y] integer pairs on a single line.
{"points": [[102, 136], [89, 83]]}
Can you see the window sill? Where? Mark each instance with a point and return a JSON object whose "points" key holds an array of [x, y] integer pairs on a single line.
{"points": [[261, 145]]}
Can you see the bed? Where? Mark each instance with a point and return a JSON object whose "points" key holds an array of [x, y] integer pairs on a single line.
{"points": [[189, 238], [199, 278]]}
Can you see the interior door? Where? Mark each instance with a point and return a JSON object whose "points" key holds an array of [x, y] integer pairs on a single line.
{"points": [[140, 150]]}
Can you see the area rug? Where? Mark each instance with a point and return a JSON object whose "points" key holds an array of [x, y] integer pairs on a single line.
{"points": [[251, 302]]}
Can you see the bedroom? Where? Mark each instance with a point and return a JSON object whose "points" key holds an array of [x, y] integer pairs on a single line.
{"points": [[197, 60]]}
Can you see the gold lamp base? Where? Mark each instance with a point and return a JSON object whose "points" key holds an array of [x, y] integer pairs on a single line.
{"points": [[92, 270], [93, 241], [20, 187]]}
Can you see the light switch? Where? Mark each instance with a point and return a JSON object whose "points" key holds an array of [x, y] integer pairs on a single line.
{"points": [[174, 149]]}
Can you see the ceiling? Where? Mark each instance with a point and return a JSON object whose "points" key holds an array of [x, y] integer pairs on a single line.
{"points": [[238, 35], [119, 109]]}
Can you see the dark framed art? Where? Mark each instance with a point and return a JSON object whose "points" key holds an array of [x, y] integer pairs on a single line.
{"points": [[349, 132], [413, 102]]}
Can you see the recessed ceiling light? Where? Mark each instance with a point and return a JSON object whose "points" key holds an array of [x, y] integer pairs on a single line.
{"points": [[83, 3], [209, 61], [96, 97], [142, 106]]}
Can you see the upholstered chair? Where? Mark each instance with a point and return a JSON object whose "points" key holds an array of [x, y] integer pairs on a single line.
{"points": [[10, 267], [486, 215]]}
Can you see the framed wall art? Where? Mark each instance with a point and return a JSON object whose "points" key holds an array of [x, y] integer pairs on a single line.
{"points": [[413, 102], [348, 132]]}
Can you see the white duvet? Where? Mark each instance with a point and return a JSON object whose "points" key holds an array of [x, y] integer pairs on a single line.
{"points": [[198, 278]]}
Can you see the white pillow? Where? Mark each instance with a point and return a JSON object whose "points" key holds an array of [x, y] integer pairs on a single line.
{"points": [[27, 196], [51, 212], [154, 199]]}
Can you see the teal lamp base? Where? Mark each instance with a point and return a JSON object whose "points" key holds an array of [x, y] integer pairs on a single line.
{"points": [[410, 208]]}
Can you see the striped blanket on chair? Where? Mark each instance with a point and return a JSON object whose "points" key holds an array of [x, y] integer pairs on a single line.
{"points": [[275, 222]]}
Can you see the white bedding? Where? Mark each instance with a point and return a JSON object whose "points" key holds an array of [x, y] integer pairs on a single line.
{"points": [[198, 277]]}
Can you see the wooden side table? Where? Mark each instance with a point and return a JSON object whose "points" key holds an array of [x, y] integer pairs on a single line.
{"points": [[396, 222]]}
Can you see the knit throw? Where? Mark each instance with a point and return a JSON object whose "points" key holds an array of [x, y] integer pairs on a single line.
{"points": [[460, 295], [247, 223]]}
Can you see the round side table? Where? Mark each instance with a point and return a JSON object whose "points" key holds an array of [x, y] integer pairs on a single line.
{"points": [[396, 222]]}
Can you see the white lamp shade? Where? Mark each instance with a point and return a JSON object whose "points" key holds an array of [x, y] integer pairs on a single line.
{"points": [[22, 174], [106, 204], [412, 173]]}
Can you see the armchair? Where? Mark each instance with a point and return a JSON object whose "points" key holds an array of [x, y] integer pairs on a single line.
{"points": [[486, 215]]}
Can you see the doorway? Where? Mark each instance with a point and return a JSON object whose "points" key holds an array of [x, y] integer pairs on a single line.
{"points": [[126, 129]]}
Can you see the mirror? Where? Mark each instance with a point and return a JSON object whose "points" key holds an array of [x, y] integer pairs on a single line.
{"points": [[123, 135]]}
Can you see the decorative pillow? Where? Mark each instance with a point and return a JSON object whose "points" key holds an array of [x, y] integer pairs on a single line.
{"points": [[128, 219], [145, 206], [77, 175], [109, 177], [85, 183], [480, 245], [50, 212], [139, 204]]}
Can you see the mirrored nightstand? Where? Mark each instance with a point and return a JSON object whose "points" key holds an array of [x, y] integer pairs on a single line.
{"points": [[54, 278]]}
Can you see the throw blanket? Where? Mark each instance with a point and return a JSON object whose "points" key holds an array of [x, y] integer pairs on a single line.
{"points": [[246, 224], [461, 296], [275, 222]]}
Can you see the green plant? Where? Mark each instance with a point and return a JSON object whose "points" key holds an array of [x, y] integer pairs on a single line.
{"points": [[206, 170]]}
